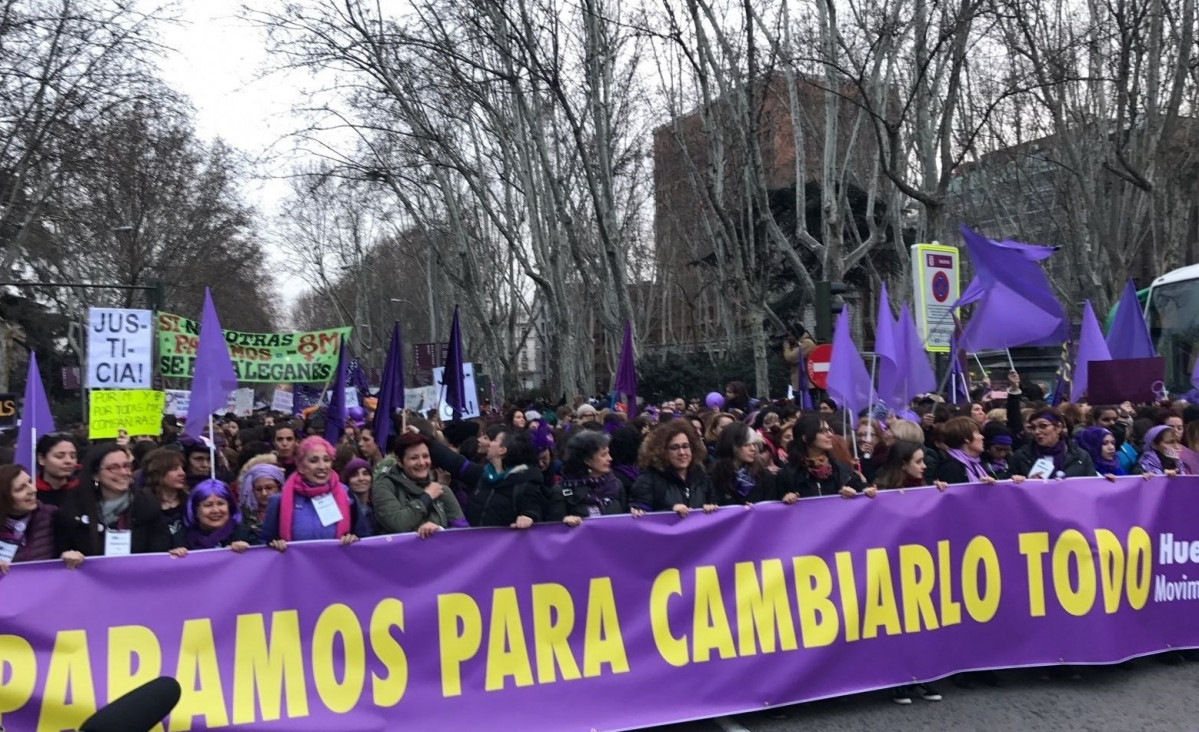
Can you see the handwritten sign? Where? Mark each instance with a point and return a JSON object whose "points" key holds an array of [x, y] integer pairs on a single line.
{"points": [[119, 348], [282, 401], [177, 402], [137, 411], [468, 383]]}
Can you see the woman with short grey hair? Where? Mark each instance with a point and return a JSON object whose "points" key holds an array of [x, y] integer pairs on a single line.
{"points": [[588, 486]]}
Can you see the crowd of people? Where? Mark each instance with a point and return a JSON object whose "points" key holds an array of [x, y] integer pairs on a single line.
{"points": [[276, 481]]}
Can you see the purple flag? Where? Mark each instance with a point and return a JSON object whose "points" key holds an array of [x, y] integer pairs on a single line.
{"points": [[391, 390], [1091, 347], [848, 381], [886, 347], [626, 371], [452, 378], [1014, 304], [36, 419], [335, 417], [356, 376], [213, 377], [916, 373], [1129, 335], [1032, 252]]}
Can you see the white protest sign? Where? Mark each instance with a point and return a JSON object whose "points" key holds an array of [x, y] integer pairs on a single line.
{"points": [[119, 348], [472, 395], [240, 402], [351, 397], [282, 401], [420, 399], [177, 402]]}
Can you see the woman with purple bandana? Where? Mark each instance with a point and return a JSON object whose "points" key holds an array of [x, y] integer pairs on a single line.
{"points": [[1161, 455], [1050, 455]]}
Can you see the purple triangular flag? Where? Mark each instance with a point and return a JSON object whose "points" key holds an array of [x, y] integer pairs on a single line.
{"points": [[391, 390], [335, 417], [1091, 347], [886, 347], [1016, 306], [1129, 335], [213, 376], [36, 419], [452, 377], [916, 373], [848, 381], [625, 383]]}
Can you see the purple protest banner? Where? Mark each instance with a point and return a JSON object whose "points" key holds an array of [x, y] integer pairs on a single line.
{"points": [[619, 623]]}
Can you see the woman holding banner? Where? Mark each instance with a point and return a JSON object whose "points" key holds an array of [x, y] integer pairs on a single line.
{"points": [[164, 477], [588, 486], [738, 475], [26, 524], [57, 465], [812, 470], [672, 477], [105, 516], [409, 498], [962, 463], [313, 504], [1050, 455], [1161, 455], [214, 521]]}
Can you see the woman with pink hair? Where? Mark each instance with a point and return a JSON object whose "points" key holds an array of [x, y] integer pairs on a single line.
{"points": [[313, 503]]}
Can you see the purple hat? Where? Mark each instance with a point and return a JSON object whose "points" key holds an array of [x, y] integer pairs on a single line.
{"points": [[353, 467], [1155, 432]]}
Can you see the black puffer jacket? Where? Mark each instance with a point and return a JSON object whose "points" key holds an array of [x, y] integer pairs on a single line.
{"points": [[798, 479], [1075, 464], [519, 491], [655, 490], [77, 525]]}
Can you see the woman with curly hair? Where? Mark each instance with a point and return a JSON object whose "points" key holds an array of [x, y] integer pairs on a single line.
{"points": [[673, 477], [588, 486]]}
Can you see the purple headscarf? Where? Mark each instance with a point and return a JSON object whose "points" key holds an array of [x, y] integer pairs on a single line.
{"points": [[261, 470], [1091, 440]]}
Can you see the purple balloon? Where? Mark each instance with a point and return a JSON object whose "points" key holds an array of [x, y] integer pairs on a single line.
{"points": [[356, 413], [714, 400]]}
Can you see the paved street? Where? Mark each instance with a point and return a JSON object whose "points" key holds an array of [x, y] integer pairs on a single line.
{"points": [[1150, 697]]}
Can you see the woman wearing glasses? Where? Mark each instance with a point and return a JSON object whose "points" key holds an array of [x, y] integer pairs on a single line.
{"points": [[105, 516], [1050, 455], [672, 477], [811, 468]]}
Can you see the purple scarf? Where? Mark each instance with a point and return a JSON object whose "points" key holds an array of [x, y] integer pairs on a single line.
{"points": [[197, 538], [1057, 452], [974, 466], [600, 489], [632, 472], [1091, 440]]}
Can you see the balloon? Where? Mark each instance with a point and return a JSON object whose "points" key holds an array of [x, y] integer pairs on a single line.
{"points": [[356, 413], [714, 400]]}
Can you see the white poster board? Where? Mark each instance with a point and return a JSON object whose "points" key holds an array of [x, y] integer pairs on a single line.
{"points": [[119, 348], [936, 283], [282, 401], [177, 401], [472, 396]]}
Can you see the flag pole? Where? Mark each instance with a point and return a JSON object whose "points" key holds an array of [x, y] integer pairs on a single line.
{"points": [[982, 369], [870, 406], [211, 449], [1011, 364], [33, 452]]}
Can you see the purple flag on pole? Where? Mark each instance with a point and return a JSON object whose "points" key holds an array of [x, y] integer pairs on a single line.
{"points": [[1016, 306], [213, 377], [626, 371], [36, 419], [848, 380], [1129, 335], [886, 347], [1091, 347], [916, 373], [452, 378], [391, 390], [977, 288], [335, 417]]}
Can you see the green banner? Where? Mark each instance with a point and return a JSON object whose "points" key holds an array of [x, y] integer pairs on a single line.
{"points": [[264, 357]]}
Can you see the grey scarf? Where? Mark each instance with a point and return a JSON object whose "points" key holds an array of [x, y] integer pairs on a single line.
{"points": [[110, 511]]}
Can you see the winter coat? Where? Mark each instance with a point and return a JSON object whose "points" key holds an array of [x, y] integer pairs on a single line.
{"points": [[496, 499], [798, 479], [78, 525], [655, 490], [1076, 463], [585, 497], [400, 505], [37, 542]]}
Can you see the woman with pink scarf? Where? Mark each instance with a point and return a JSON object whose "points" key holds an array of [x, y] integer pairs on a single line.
{"points": [[313, 503]]}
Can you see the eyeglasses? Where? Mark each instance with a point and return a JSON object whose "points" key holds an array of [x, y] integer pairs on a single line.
{"points": [[684, 447], [825, 431], [1040, 426], [119, 467]]}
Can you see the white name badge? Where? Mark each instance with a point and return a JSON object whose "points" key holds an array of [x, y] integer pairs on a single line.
{"points": [[8, 552], [1042, 468], [118, 543], [326, 509]]}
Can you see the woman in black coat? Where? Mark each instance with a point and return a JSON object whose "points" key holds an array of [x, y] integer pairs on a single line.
{"points": [[672, 473], [738, 477], [508, 490], [588, 487], [1050, 455], [811, 468], [106, 515]]}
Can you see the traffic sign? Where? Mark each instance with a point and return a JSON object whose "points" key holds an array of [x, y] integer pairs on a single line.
{"points": [[818, 363]]}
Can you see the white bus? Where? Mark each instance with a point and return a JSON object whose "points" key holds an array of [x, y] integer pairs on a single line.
{"points": [[1172, 312]]}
